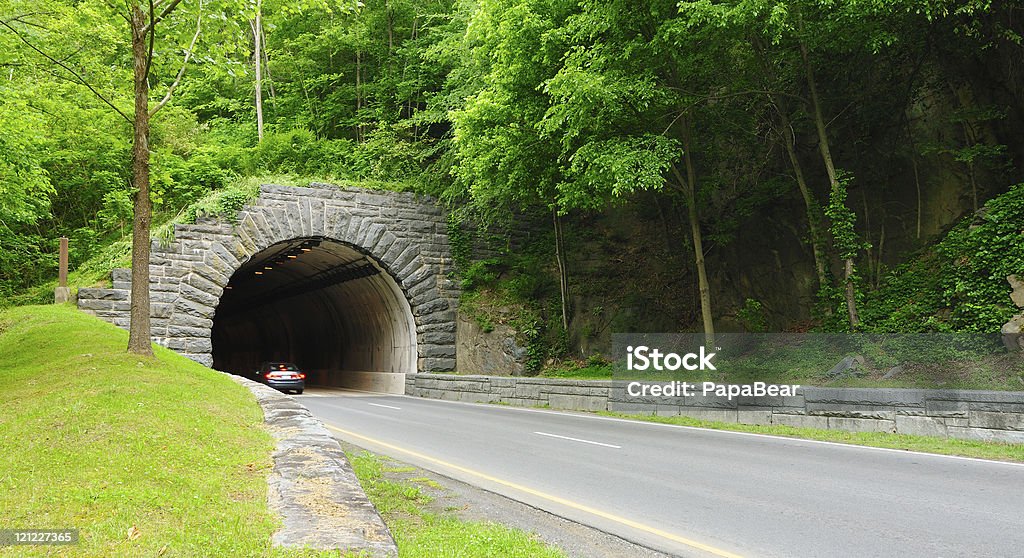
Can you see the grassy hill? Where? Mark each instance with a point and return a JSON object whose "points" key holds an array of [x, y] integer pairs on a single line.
{"points": [[146, 456]]}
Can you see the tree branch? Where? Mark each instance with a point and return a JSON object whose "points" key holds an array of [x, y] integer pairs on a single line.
{"points": [[80, 79], [166, 11], [184, 64], [115, 10], [21, 19]]}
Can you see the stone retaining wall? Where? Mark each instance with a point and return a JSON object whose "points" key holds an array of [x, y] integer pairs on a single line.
{"points": [[971, 415]]}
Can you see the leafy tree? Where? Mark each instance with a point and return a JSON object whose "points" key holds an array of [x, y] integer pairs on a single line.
{"points": [[143, 20]]}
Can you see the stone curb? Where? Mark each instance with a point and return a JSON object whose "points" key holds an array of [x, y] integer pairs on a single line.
{"points": [[312, 487]]}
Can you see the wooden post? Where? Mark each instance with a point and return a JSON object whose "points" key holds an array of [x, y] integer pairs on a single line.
{"points": [[62, 293]]}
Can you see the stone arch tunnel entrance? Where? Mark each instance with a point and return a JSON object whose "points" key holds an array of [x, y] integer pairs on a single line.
{"points": [[322, 304], [350, 284]]}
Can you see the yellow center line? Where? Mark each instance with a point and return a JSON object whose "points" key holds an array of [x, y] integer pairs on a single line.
{"points": [[549, 497]]}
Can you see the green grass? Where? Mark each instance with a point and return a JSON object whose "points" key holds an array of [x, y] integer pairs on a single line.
{"points": [[966, 448], [421, 532], [579, 371], [96, 439]]}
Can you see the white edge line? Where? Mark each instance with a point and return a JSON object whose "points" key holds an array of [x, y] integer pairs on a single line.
{"points": [[385, 406], [719, 431], [578, 440]]}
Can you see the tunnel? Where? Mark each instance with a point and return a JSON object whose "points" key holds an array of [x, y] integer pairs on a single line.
{"points": [[324, 305]]}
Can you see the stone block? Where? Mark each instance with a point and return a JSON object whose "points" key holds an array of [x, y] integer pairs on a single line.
{"points": [[577, 402], [881, 397], [104, 294], [744, 416], [384, 244], [438, 364], [199, 345], [985, 434], [861, 424], [998, 421], [204, 359], [93, 304], [475, 397], [194, 309], [632, 407], [436, 338], [198, 296], [518, 402], [189, 320], [184, 331], [851, 410], [940, 408], [436, 306], [405, 258], [921, 426], [708, 414], [768, 402], [800, 421], [528, 391], [430, 351]]}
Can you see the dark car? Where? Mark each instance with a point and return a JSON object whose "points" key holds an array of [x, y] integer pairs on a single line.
{"points": [[284, 376]]}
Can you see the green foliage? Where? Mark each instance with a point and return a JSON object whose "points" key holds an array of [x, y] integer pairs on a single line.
{"points": [[960, 284], [479, 274], [843, 221], [512, 107], [752, 316]]}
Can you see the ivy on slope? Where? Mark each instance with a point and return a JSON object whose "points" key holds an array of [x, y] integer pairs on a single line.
{"points": [[960, 283]]}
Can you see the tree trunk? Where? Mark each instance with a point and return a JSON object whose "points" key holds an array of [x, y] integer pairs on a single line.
{"points": [[359, 98], [851, 302], [257, 32], [563, 274], [139, 339], [819, 247], [689, 185], [810, 206], [830, 169]]}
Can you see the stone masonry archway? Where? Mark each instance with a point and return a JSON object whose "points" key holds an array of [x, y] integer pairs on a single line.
{"points": [[354, 281]]}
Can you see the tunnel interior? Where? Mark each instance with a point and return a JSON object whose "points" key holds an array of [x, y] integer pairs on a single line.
{"points": [[323, 305]]}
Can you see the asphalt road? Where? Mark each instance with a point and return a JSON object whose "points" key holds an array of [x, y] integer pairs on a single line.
{"points": [[694, 492]]}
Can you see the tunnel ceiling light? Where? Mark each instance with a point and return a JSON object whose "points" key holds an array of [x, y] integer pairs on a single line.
{"points": [[259, 273], [292, 257], [268, 267]]}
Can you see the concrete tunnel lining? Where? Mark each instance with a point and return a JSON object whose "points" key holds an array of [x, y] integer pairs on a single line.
{"points": [[323, 304]]}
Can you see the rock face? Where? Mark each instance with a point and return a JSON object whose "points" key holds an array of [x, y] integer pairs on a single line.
{"points": [[849, 367], [1012, 330], [494, 353], [1017, 296]]}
